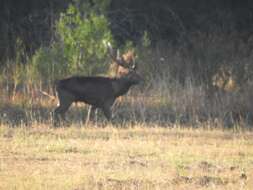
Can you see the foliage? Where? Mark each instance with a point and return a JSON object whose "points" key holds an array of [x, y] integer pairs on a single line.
{"points": [[146, 40], [48, 64], [208, 45], [79, 31], [82, 38], [78, 49]]}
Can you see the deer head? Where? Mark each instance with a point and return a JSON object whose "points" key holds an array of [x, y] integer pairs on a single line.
{"points": [[122, 64]]}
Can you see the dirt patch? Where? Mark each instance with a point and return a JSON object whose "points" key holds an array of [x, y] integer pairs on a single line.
{"points": [[182, 179], [208, 180], [200, 181], [137, 162], [205, 165]]}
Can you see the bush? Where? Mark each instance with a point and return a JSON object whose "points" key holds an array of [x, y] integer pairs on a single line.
{"points": [[78, 49], [48, 64], [82, 38]]}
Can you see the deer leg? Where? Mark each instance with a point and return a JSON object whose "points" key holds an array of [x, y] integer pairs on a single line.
{"points": [[107, 112], [60, 111], [89, 114], [107, 109], [96, 115], [114, 108], [64, 104]]}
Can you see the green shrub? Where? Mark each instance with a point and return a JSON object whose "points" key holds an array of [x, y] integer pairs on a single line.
{"points": [[78, 49], [82, 38], [48, 64]]}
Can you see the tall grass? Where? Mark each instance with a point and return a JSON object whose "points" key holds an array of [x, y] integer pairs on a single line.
{"points": [[182, 85]]}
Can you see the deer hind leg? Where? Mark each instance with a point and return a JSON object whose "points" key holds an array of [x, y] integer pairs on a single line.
{"points": [[62, 108], [65, 102]]}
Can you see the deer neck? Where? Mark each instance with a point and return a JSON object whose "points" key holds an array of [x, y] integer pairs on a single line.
{"points": [[121, 86]]}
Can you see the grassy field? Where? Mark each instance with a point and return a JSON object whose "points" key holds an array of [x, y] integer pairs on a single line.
{"points": [[133, 157]]}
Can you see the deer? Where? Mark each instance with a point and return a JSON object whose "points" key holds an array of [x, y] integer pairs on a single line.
{"points": [[96, 91]]}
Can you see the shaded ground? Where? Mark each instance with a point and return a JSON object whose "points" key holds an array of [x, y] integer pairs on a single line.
{"points": [[134, 109], [129, 109]]}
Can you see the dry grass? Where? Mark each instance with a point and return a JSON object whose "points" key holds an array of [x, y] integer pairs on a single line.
{"points": [[156, 150], [134, 157]]}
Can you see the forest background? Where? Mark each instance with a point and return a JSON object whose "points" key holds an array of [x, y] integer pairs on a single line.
{"points": [[195, 55]]}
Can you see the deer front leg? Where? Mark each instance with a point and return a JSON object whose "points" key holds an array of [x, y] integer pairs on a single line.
{"points": [[91, 111], [107, 112], [107, 109]]}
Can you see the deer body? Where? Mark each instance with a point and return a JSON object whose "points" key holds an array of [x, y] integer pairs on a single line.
{"points": [[99, 92]]}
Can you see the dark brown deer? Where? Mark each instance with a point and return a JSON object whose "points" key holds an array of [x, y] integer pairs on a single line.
{"points": [[99, 92]]}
